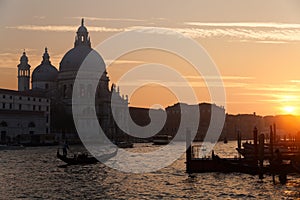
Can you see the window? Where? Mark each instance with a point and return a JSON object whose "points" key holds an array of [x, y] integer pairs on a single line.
{"points": [[47, 130], [3, 105], [47, 119], [3, 96], [33, 99], [10, 106], [20, 107], [40, 108], [33, 107], [46, 85], [20, 98], [31, 125], [40, 100], [47, 108], [28, 99], [3, 124], [10, 97]]}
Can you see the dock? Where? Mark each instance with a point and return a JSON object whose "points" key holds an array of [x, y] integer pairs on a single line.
{"points": [[259, 158]]}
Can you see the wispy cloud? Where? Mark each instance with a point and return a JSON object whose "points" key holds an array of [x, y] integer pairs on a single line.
{"points": [[62, 28], [124, 62], [222, 77], [109, 19], [271, 33], [198, 84], [246, 25], [294, 81], [243, 34]]}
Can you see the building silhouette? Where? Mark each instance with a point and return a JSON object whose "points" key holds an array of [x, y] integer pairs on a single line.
{"points": [[55, 86]]}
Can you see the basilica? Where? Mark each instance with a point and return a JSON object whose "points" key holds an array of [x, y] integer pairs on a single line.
{"points": [[54, 87]]}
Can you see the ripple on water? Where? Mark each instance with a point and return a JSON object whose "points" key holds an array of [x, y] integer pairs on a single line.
{"points": [[34, 173]]}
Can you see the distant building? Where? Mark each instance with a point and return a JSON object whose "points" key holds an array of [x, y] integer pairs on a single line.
{"points": [[141, 117], [204, 109]]}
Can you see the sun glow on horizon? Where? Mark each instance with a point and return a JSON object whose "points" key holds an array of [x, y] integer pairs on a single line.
{"points": [[289, 109]]}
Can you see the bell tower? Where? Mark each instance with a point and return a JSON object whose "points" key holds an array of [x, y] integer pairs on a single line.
{"points": [[23, 73]]}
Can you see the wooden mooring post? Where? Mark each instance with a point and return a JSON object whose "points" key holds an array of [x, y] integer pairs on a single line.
{"points": [[261, 155], [188, 151]]}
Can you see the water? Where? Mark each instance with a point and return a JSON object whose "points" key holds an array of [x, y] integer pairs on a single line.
{"points": [[35, 173]]}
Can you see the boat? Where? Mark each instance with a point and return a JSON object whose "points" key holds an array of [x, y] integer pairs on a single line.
{"points": [[223, 165], [83, 159], [161, 139], [248, 151], [124, 144]]}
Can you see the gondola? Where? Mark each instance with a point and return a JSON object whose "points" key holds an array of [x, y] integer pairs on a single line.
{"points": [[84, 159]]}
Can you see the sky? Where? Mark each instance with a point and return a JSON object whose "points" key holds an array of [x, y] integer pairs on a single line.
{"points": [[255, 45]]}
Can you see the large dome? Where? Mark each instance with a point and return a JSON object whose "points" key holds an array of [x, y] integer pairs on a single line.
{"points": [[45, 71], [73, 59]]}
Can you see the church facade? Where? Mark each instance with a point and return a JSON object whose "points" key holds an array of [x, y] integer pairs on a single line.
{"points": [[56, 88]]}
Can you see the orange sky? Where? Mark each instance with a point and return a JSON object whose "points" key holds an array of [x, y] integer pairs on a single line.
{"points": [[255, 44]]}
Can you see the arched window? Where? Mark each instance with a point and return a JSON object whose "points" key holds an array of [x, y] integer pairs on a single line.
{"points": [[3, 124], [31, 125]]}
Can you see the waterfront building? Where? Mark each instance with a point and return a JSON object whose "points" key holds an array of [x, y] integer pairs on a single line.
{"points": [[22, 115], [50, 97]]}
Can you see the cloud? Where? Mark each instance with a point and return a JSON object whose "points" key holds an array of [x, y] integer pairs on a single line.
{"points": [[294, 81], [109, 19], [246, 25], [222, 77], [63, 28], [271, 42], [271, 33], [124, 62], [278, 89], [199, 84], [243, 34]]}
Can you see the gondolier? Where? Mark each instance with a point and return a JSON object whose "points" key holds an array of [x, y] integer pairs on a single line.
{"points": [[65, 149]]}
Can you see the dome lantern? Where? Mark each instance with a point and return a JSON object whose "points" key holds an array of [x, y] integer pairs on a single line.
{"points": [[46, 57], [82, 37]]}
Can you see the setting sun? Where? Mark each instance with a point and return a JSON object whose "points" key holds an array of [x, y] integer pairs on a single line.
{"points": [[289, 109]]}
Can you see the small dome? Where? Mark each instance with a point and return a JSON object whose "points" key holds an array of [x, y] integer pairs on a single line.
{"points": [[24, 58], [24, 62], [45, 71]]}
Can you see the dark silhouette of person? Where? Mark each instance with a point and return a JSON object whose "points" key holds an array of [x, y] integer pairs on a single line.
{"points": [[65, 149]]}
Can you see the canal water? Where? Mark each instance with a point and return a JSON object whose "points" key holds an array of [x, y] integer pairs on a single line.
{"points": [[35, 173]]}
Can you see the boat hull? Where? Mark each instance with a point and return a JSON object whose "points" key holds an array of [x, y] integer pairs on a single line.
{"points": [[85, 160]]}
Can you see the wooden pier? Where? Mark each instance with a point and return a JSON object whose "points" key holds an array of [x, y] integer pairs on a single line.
{"points": [[257, 158]]}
